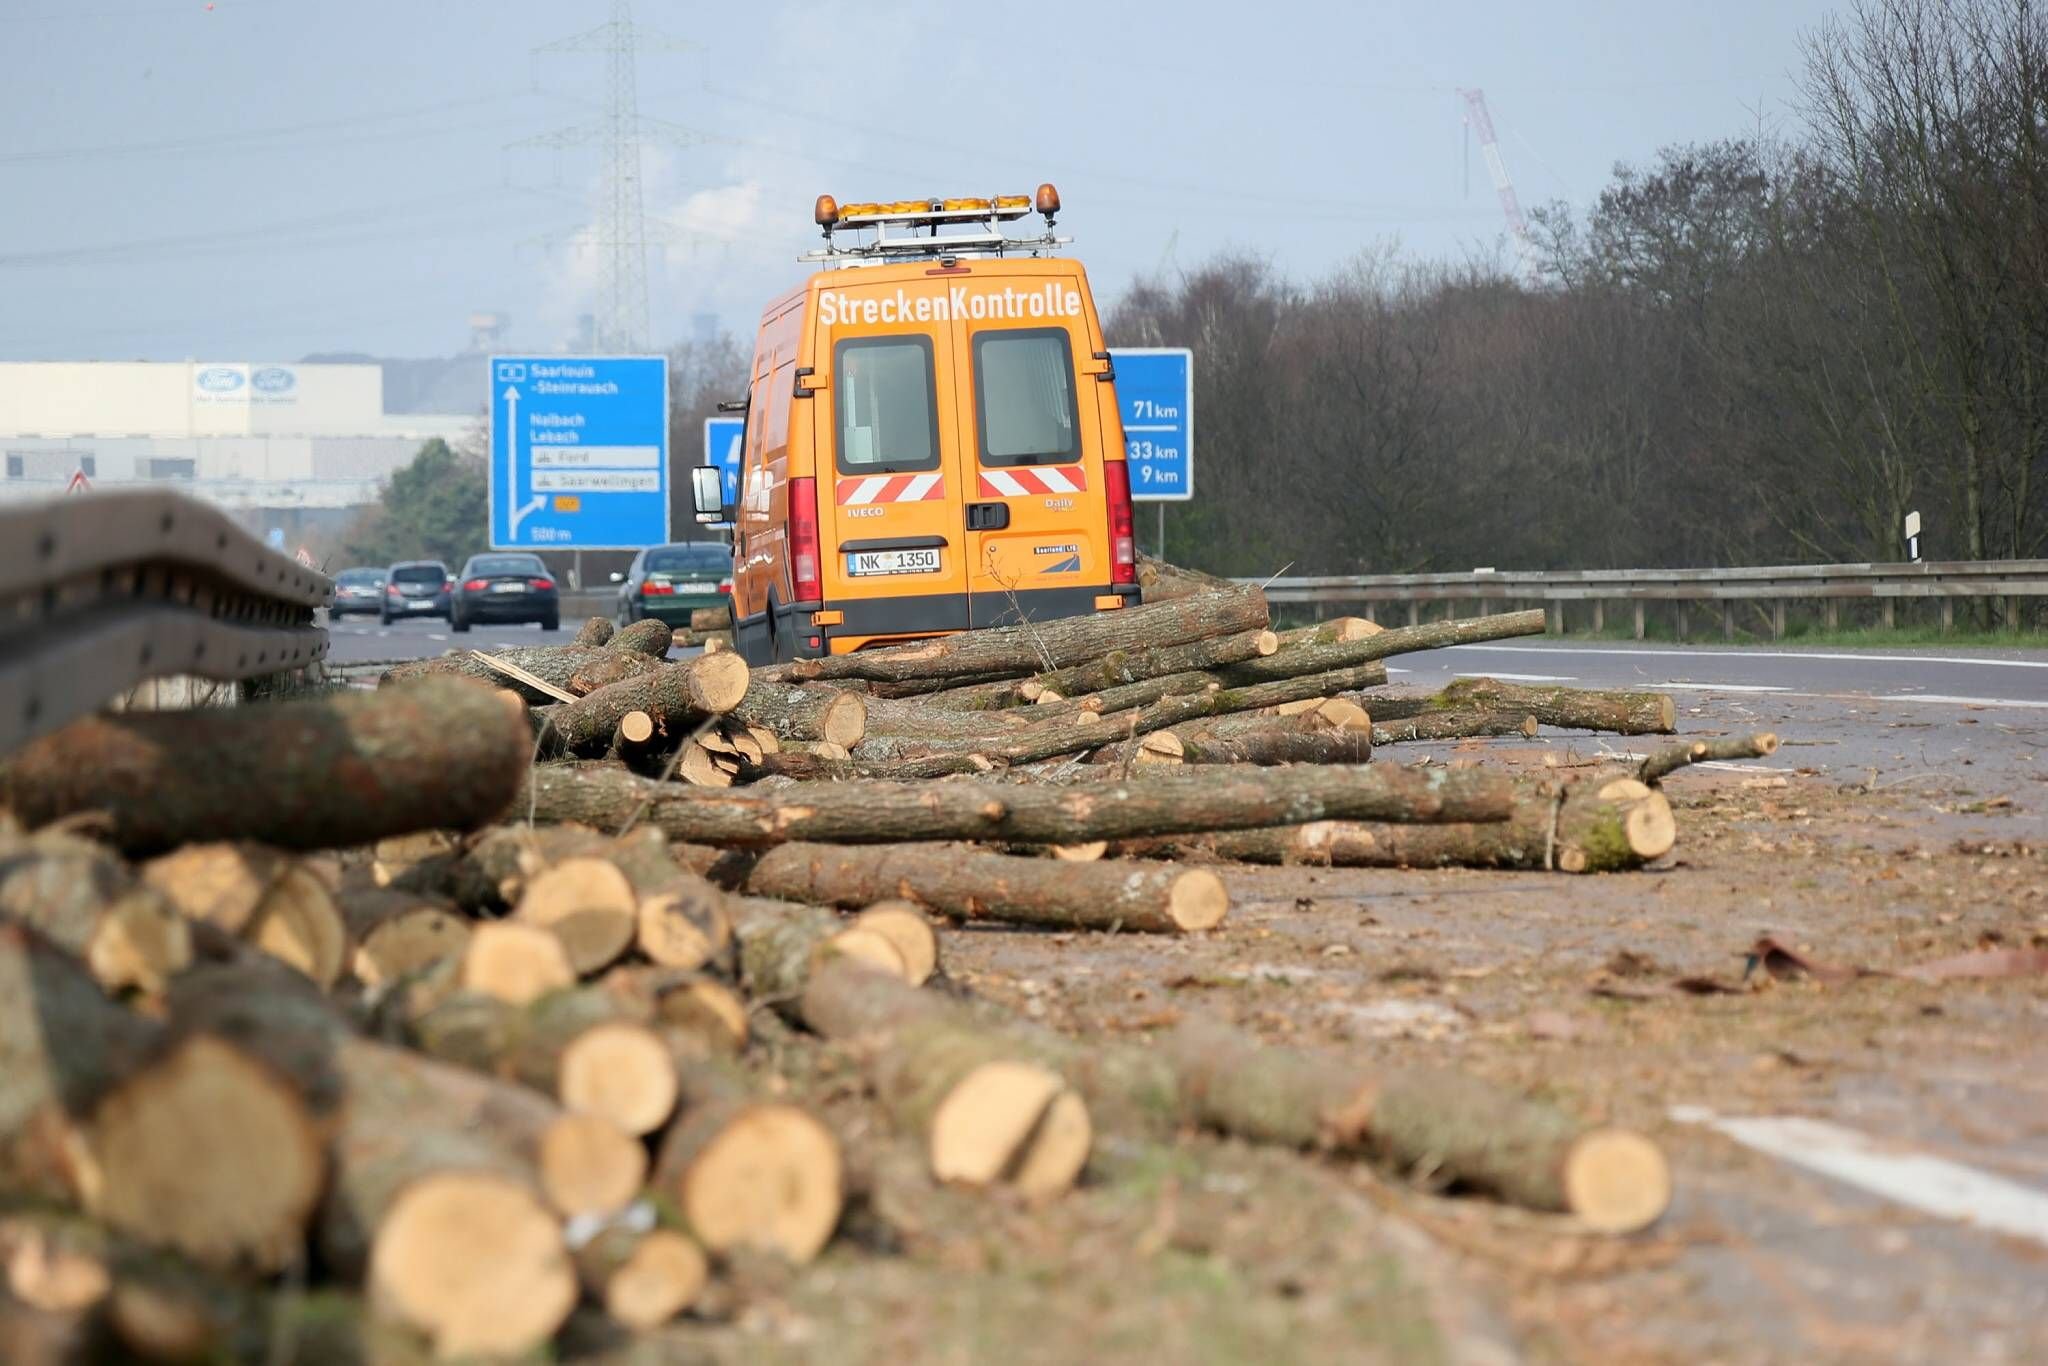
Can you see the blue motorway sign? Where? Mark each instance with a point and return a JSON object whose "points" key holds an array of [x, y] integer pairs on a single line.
{"points": [[579, 452], [1155, 387], [722, 448]]}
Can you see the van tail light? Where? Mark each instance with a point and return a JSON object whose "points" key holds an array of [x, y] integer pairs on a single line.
{"points": [[474, 586], [1123, 544], [542, 585], [806, 582]]}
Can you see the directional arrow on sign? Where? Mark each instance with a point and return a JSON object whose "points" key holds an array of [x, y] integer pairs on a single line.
{"points": [[538, 501]]}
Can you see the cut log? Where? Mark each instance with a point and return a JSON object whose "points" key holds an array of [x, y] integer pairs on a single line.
{"points": [[818, 768], [1622, 713], [986, 1113], [1297, 660], [342, 769], [969, 884], [717, 642], [1033, 646], [1133, 666], [412, 855], [1317, 746], [64, 1046], [76, 892], [1331, 632], [646, 636], [589, 1167], [492, 873], [746, 1173], [220, 884], [609, 667], [588, 904], [1669, 760], [1163, 582], [594, 633], [765, 739], [1453, 725], [711, 619], [678, 697], [400, 932], [804, 713], [781, 943], [697, 1014], [642, 1279], [514, 962], [552, 664], [632, 736], [584, 1049], [1577, 831], [680, 920], [905, 926], [1445, 1126], [1163, 801], [299, 924]]}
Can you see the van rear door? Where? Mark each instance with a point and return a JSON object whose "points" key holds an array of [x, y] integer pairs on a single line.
{"points": [[1037, 529], [889, 466]]}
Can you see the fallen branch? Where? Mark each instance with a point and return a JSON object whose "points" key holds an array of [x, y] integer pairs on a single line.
{"points": [[1670, 759]]}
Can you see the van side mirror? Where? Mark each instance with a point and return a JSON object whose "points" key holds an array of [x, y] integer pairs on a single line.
{"points": [[707, 494]]}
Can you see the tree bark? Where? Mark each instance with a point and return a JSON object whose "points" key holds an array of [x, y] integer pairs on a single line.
{"points": [[1453, 725], [1620, 713], [1307, 746], [782, 942], [1330, 632], [680, 920], [1449, 1126], [612, 666], [677, 697], [1592, 834], [748, 1173], [552, 664], [1669, 760], [1160, 581], [1134, 666], [344, 769], [696, 1013], [986, 1113], [1294, 661], [1158, 803], [711, 619], [594, 633], [646, 636], [1034, 646], [970, 884]]}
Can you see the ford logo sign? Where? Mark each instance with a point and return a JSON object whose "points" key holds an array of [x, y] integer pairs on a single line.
{"points": [[273, 379], [219, 379]]}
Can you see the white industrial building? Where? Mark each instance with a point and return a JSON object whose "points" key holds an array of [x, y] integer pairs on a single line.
{"points": [[255, 438]]}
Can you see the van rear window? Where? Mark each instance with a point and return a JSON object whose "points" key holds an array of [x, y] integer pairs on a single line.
{"points": [[888, 408], [1024, 397]]}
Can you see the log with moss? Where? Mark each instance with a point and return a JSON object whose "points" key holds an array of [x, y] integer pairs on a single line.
{"points": [[677, 697], [1161, 802], [969, 884], [804, 713], [1617, 712], [1453, 725], [1133, 666], [1161, 581], [320, 773], [1306, 658]]}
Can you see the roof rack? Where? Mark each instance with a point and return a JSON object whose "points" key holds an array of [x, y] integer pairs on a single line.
{"points": [[907, 229]]}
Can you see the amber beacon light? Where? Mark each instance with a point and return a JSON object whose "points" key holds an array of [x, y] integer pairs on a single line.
{"points": [[1048, 201], [826, 212]]}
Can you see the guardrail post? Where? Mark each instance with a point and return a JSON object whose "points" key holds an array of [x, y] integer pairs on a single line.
{"points": [[1414, 612], [1835, 614], [1369, 612], [1599, 616], [1948, 615], [1639, 618], [1556, 622], [1681, 622], [1727, 621], [1778, 619], [1890, 613]]}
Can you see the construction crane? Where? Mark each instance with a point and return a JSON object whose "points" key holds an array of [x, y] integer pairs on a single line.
{"points": [[1477, 120]]}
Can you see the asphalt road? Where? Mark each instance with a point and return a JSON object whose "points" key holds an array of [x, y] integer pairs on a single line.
{"points": [[354, 639]]}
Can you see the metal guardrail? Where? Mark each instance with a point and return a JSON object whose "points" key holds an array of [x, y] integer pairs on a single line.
{"points": [[1829, 584], [102, 591]]}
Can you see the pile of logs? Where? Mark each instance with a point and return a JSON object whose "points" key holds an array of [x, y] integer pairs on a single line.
{"points": [[447, 994]]}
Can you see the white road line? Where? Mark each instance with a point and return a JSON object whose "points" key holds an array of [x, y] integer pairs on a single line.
{"points": [[1738, 654], [1721, 687], [1522, 678], [435, 635], [1947, 700], [1933, 1184]]}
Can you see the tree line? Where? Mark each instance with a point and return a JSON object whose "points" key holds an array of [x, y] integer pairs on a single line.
{"points": [[1759, 349]]}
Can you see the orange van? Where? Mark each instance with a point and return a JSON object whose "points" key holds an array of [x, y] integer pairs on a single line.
{"points": [[932, 438]]}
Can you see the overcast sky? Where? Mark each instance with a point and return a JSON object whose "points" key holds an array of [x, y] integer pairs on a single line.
{"points": [[260, 179]]}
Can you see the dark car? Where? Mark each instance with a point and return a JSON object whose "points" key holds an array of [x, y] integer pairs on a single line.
{"points": [[505, 588], [668, 582], [415, 588], [357, 590]]}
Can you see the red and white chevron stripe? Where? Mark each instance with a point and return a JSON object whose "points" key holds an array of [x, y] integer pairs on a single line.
{"points": [[1028, 479], [889, 488]]}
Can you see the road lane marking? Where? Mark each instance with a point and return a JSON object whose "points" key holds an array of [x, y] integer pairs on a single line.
{"points": [[1737, 653], [1933, 1184], [1721, 687], [1947, 700], [435, 635]]}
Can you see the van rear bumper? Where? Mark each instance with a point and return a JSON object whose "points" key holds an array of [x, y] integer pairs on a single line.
{"points": [[941, 613]]}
